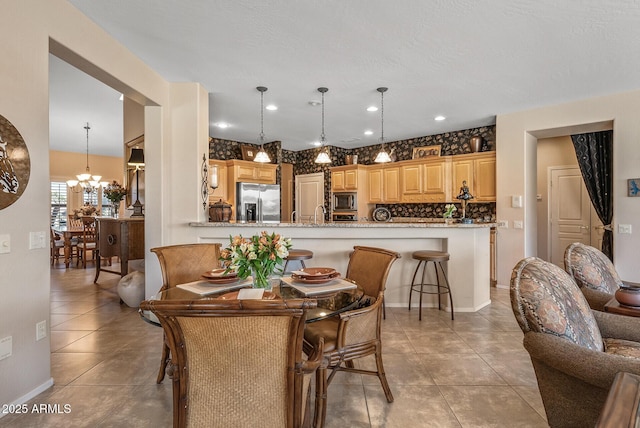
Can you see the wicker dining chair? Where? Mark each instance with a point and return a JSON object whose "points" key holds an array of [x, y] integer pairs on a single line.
{"points": [[356, 333], [237, 363], [181, 264]]}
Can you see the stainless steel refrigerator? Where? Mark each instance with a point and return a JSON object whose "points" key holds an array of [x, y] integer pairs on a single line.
{"points": [[257, 203]]}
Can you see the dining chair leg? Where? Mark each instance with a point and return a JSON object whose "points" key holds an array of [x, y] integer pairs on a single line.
{"points": [[320, 406], [382, 376], [163, 363]]}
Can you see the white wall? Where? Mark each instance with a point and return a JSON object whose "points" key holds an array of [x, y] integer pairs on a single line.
{"points": [[34, 29], [516, 170]]}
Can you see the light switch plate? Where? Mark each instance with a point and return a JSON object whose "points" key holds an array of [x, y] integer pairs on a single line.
{"points": [[5, 244], [37, 240], [517, 224], [516, 201]]}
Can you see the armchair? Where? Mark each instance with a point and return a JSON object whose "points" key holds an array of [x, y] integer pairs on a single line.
{"points": [[576, 352], [237, 363], [181, 264], [594, 273]]}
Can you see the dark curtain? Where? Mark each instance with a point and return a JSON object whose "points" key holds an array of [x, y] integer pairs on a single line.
{"points": [[595, 158]]}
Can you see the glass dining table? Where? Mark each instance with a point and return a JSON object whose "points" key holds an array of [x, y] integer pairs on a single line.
{"points": [[329, 302]]}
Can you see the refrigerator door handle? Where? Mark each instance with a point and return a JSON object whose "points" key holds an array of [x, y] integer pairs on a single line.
{"points": [[259, 216]]}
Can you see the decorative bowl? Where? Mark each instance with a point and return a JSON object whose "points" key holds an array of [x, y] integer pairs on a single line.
{"points": [[628, 296]]}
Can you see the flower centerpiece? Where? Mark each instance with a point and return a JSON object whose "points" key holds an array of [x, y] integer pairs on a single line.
{"points": [[259, 256], [86, 210], [115, 193], [449, 209]]}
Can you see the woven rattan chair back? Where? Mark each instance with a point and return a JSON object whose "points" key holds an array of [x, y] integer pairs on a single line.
{"points": [[186, 263], [369, 268], [236, 363]]}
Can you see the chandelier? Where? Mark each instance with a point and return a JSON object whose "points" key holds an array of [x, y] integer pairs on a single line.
{"points": [[382, 156], [261, 156], [88, 183], [323, 156]]}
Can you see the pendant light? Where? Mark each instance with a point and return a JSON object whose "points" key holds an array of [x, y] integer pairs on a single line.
{"points": [[323, 155], [383, 156], [261, 156], [88, 183]]}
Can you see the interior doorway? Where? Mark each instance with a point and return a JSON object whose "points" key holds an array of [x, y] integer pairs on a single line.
{"points": [[571, 214], [309, 195]]}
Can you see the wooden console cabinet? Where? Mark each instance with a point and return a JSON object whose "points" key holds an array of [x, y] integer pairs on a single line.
{"points": [[121, 237]]}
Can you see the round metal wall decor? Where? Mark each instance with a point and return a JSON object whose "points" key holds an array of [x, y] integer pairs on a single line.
{"points": [[15, 165]]}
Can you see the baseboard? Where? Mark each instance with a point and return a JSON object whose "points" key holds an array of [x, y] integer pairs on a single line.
{"points": [[29, 395]]}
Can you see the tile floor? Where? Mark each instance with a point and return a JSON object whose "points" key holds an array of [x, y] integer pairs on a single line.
{"points": [[471, 372]]}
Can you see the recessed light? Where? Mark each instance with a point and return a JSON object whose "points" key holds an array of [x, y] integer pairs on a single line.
{"points": [[439, 118], [372, 108], [271, 107], [222, 125], [368, 132]]}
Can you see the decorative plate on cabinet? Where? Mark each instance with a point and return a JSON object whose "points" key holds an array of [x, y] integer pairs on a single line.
{"points": [[381, 214]]}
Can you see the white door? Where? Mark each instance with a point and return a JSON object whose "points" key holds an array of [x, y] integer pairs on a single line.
{"points": [[309, 194], [571, 214]]}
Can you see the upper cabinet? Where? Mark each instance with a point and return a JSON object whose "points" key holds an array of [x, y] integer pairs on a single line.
{"points": [[251, 172], [425, 180], [383, 184], [221, 191], [479, 171], [346, 178]]}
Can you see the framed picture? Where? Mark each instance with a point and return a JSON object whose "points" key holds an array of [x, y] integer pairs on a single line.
{"points": [[633, 187], [248, 152], [426, 152]]}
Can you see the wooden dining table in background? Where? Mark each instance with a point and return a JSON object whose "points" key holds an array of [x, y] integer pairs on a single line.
{"points": [[68, 232]]}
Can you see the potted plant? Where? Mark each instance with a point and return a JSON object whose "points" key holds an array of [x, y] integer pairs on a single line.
{"points": [[449, 209]]}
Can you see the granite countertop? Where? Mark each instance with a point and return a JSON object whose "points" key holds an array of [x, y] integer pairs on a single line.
{"points": [[404, 223]]}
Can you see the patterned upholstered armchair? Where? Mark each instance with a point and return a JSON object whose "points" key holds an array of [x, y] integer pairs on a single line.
{"points": [[594, 273], [576, 352]]}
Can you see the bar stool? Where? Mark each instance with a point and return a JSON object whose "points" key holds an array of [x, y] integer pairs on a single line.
{"points": [[437, 257], [297, 255]]}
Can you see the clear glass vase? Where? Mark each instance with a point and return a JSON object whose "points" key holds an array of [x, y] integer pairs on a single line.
{"points": [[116, 207], [261, 276]]}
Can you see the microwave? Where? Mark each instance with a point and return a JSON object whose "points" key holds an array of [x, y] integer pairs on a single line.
{"points": [[345, 202]]}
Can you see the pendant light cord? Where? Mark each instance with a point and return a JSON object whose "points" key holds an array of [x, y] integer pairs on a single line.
{"points": [[261, 119], [322, 134], [87, 127]]}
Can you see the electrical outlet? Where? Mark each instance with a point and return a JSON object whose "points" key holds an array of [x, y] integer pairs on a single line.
{"points": [[503, 223], [624, 228], [41, 330], [517, 224]]}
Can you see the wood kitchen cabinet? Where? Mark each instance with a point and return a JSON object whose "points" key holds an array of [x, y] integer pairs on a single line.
{"points": [[346, 178], [391, 184], [479, 171], [375, 185], [425, 180], [251, 172]]}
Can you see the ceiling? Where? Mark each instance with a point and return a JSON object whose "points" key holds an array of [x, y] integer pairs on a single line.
{"points": [[468, 60]]}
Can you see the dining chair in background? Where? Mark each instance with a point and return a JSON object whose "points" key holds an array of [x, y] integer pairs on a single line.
{"points": [[357, 333], [88, 241], [237, 362], [594, 273], [575, 351], [181, 264], [56, 244]]}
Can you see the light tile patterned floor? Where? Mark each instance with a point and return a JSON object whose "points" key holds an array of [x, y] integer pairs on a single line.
{"points": [[471, 372]]}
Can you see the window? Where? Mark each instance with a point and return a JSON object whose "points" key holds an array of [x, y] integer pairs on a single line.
{"points": [[107, 207], [58, 203]]}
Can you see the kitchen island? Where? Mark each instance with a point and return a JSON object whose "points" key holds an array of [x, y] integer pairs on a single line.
{"points": [[331, 243]]}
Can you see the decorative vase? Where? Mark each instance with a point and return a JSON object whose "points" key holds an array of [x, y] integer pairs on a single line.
{"points": [[261, 276], [116, 207]]}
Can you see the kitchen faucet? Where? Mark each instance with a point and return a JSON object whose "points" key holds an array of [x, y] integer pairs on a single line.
{"points": [[293, 215], [315, 214]]}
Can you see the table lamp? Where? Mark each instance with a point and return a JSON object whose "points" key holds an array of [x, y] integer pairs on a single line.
{"points": [[137, 159]]}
